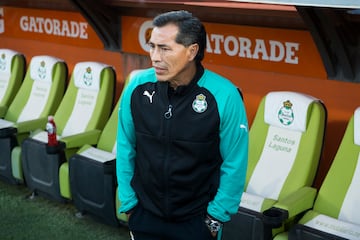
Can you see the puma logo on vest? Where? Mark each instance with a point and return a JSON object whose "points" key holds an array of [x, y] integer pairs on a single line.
{"points": [[150, 96]]}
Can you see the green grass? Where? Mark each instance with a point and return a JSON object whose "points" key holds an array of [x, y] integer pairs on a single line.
{"points": [[41, 218]]}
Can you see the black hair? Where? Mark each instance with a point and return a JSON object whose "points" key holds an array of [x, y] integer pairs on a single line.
{"points": [[191, 30]]}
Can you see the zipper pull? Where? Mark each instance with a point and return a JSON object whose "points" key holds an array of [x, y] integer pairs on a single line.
{"points": [[168, 114]]}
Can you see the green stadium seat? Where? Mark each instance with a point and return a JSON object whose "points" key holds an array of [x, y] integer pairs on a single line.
{"points": [[285, 145], [80, 118], [335, 214], [12, 72], [39, 95], [93, 173]]}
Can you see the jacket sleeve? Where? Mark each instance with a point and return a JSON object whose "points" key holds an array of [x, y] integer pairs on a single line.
{"points": [[234, 151], [125, 156]]}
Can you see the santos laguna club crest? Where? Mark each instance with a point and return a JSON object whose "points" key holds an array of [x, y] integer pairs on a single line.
{"points": [[88, 77], [42, 70], [3, 62], [286, 114], [199, 104]]}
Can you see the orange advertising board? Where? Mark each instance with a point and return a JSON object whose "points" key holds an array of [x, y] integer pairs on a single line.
{"points": [[268, 49], [47, 25]]}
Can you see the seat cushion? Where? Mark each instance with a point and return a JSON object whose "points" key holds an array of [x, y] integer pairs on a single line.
{"points": [[287, 110], [87, 80], [87, 75], [83, 109], [97, 154], [6, 56], [333, 226], [41, 72], [37, 101], [286, 114], [357, 126]]}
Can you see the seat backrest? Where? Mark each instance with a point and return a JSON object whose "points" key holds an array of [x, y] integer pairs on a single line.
{"points": [[12, 72], [107, 140], [285, 144], [339, 193], [41, 91], [87, 102]]}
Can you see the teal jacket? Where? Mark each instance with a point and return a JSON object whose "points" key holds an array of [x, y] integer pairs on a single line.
{"points": [[182, 153]]}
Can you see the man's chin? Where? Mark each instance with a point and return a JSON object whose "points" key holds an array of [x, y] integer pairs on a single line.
{"points": [[161, 78]]}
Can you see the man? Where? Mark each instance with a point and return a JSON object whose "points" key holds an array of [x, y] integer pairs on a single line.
{"points": [[182, 141]]}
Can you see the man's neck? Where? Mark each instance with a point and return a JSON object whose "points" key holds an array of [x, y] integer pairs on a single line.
{"points": [[184, 77]]}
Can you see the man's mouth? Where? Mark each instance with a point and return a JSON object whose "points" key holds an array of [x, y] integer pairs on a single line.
{"points": [[159, 70]]}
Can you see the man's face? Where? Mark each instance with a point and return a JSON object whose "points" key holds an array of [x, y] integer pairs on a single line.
{"points": [[170, 59]]}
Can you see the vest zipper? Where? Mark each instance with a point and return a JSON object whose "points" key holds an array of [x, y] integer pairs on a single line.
{"points": [[168, 113]]}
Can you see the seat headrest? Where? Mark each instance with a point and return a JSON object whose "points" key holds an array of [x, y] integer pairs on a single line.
{"points": [[41, 67], [6, 55], [87, 75], [287, 110], [357, 126]]}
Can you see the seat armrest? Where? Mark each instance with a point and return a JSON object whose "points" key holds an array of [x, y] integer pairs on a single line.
{"points": [[83, 148], [78, 140], [28, 126], [298, 202]]}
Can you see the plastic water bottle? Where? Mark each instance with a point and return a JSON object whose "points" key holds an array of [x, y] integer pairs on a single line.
{"points": [[51, 131]]}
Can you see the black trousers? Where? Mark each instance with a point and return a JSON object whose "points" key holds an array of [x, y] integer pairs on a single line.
{"points": [[146, 226]]}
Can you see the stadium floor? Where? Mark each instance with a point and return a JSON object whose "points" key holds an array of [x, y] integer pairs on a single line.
{"points": [[40, 218]]}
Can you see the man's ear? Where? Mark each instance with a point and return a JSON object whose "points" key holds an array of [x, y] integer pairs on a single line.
{"points": [[193, 50]]}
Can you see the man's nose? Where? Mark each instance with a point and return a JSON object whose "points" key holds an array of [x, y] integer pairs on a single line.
{"points": [[155, 54]]}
